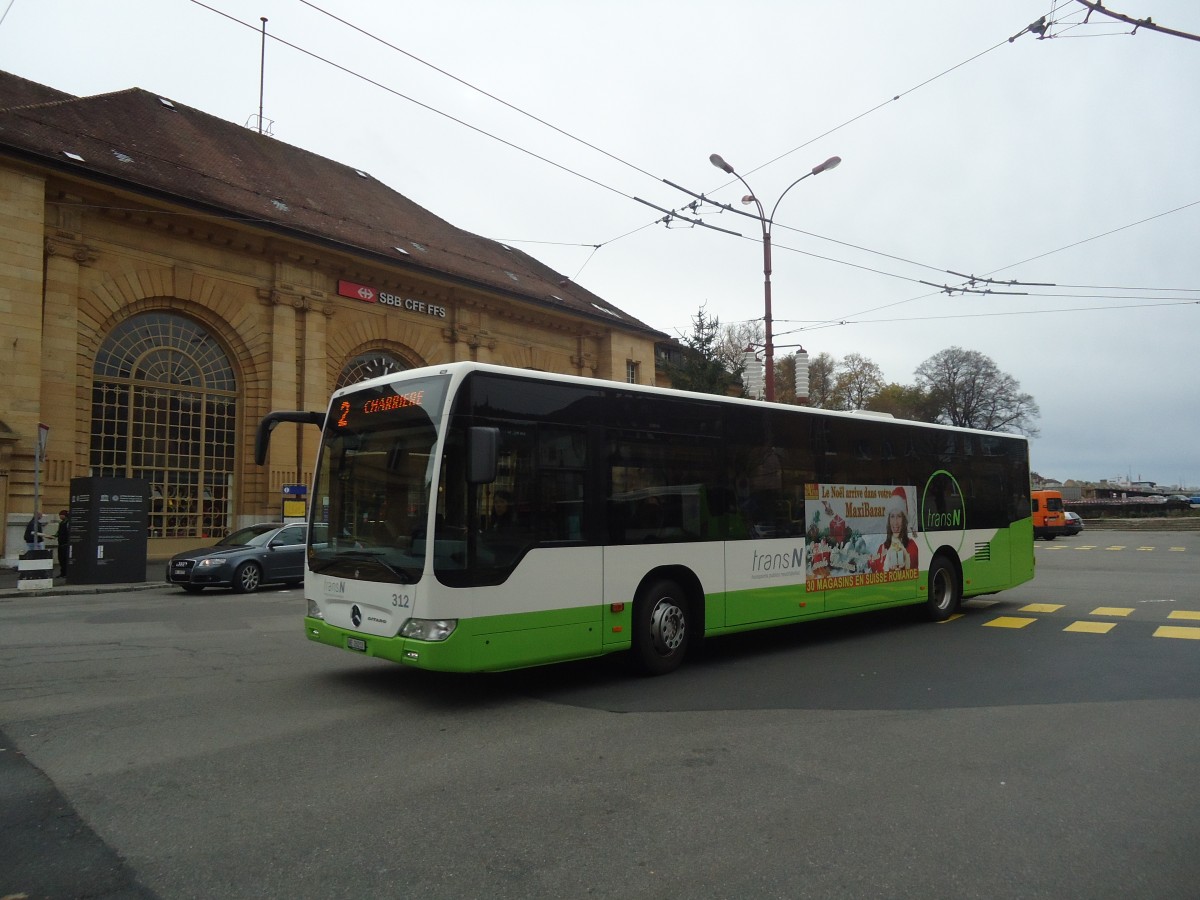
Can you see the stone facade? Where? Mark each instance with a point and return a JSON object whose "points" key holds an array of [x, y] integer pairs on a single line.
{"points": [[81, 254]]}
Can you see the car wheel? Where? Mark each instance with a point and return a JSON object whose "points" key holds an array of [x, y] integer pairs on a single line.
{"points": [[247, 578], [193, 588], [660, 628]]}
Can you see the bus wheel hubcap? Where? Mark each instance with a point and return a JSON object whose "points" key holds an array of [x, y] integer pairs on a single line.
{"points": [[667, 626], [941, 591]]}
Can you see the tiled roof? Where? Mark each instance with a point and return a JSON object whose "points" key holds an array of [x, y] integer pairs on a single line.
{"points": [[18, 91], [159, 147]]}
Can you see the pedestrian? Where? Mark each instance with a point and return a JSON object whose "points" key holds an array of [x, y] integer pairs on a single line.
{"points": [[64, 540], [33, 532]]}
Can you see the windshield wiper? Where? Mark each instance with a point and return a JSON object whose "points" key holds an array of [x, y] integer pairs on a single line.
{"points": [[374, 557]]}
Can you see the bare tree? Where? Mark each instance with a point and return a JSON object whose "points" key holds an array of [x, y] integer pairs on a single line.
{"points": [[785, 379], [821, 369], [735, 339], [967, 388], [857, 381]]}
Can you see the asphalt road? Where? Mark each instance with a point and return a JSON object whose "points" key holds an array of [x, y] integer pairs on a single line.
{"points": [[1044, 744]]}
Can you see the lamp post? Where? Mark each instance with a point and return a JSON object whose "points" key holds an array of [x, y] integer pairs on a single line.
{"points": [[766, 222]]}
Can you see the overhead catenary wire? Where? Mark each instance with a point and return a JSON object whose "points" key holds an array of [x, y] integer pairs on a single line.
{"points": [[433, 109], [673, 213], [669, 213], [475, 88], [1147, 23], [852, 320]]}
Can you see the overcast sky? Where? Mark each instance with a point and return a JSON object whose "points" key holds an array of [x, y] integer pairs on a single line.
{"points": [[1072, 161]]}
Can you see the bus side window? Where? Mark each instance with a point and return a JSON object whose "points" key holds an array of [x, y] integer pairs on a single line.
{"points": [[562, 463], [659, 487]]}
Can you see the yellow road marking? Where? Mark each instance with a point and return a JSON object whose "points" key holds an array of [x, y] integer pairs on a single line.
{"points": [[1177, 631], [1041, 607], [1116, 547], [1177, 549], [1086, 547], [1013, 622], [1091, 627], [1112, 610], [1145, 549], [1184, 614]]}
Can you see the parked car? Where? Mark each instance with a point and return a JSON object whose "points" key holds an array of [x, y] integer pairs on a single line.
{"points": [[1074, 524], [266, 553]]}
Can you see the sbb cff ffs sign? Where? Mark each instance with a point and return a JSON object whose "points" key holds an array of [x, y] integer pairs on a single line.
{"points": [[368, 294]]}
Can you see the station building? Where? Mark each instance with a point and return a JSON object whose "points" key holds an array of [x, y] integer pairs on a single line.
{"points": [[167, 278]]}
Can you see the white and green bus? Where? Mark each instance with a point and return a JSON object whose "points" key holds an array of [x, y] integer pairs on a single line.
{"points": [[475, 518]]}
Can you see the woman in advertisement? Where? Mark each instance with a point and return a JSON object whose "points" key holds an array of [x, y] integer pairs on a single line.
{"points": [[898, 550]]}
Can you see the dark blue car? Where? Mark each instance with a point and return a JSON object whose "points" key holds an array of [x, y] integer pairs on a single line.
{"points": [[266, 553]]}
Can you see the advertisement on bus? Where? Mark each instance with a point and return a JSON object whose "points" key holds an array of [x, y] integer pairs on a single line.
{"points": [[859, 534]]}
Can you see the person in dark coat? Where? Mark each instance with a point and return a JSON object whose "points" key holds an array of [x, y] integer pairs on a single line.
{"points": [[33, 532], [64, 538]]}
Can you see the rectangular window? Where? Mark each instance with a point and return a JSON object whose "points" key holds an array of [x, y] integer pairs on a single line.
{"points": [[631, 371]]}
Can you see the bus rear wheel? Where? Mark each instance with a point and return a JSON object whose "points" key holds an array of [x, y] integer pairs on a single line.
{"points": [[660, 627], [945, 590]]}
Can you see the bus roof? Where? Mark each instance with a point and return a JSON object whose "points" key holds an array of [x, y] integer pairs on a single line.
{"points": [[459, 370]]}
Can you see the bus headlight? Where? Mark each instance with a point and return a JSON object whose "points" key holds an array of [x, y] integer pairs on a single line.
{"points": [[429, 629], [314, 611]]}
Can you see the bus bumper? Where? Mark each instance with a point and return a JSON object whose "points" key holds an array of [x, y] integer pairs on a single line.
{"points": [[441, 656], [486, 644]]}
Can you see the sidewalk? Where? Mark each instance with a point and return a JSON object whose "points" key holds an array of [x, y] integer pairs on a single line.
{"points": [[155, 578]]}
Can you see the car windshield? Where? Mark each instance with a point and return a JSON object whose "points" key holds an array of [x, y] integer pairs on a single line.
{"points": [[373, 481], [251, 536]]}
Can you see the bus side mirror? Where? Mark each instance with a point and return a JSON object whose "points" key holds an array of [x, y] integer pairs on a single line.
{"points": [[482, 450], [262, 437]]}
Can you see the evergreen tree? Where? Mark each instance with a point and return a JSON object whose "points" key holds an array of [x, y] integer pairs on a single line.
{"points": [[701, 368]]}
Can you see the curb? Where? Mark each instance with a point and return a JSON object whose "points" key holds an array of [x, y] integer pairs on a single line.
{"points": [[60, 590], [155, 578]]}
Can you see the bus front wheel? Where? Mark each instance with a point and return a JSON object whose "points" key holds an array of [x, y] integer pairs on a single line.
{"points": [[945, 590], [660, 628]]}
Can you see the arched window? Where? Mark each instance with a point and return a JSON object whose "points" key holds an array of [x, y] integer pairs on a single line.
{"points": [[369, 365], [164, 403]]}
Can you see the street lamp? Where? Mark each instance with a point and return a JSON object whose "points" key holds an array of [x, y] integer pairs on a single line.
{"points": [[766, 222]]}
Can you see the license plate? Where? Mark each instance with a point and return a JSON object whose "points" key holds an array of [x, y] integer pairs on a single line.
{"points": [[356, 644]]}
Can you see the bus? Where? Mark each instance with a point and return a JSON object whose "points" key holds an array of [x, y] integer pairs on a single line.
{"points": [[477, 518], [1049, 514]]}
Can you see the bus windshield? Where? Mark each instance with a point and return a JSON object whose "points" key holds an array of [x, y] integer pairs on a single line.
{"points": [[373, 479]]}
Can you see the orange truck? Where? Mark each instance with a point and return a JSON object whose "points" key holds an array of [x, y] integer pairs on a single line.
{"points": [[1049, 516]]}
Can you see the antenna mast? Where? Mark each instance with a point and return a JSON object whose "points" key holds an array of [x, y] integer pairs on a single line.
{"points": [[262, 66]]}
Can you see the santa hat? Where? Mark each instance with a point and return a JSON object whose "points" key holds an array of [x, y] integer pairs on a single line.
{"points": [[898, 502]]}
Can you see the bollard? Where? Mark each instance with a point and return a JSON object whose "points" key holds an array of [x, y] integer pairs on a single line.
{"points": [[35, 570]]}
